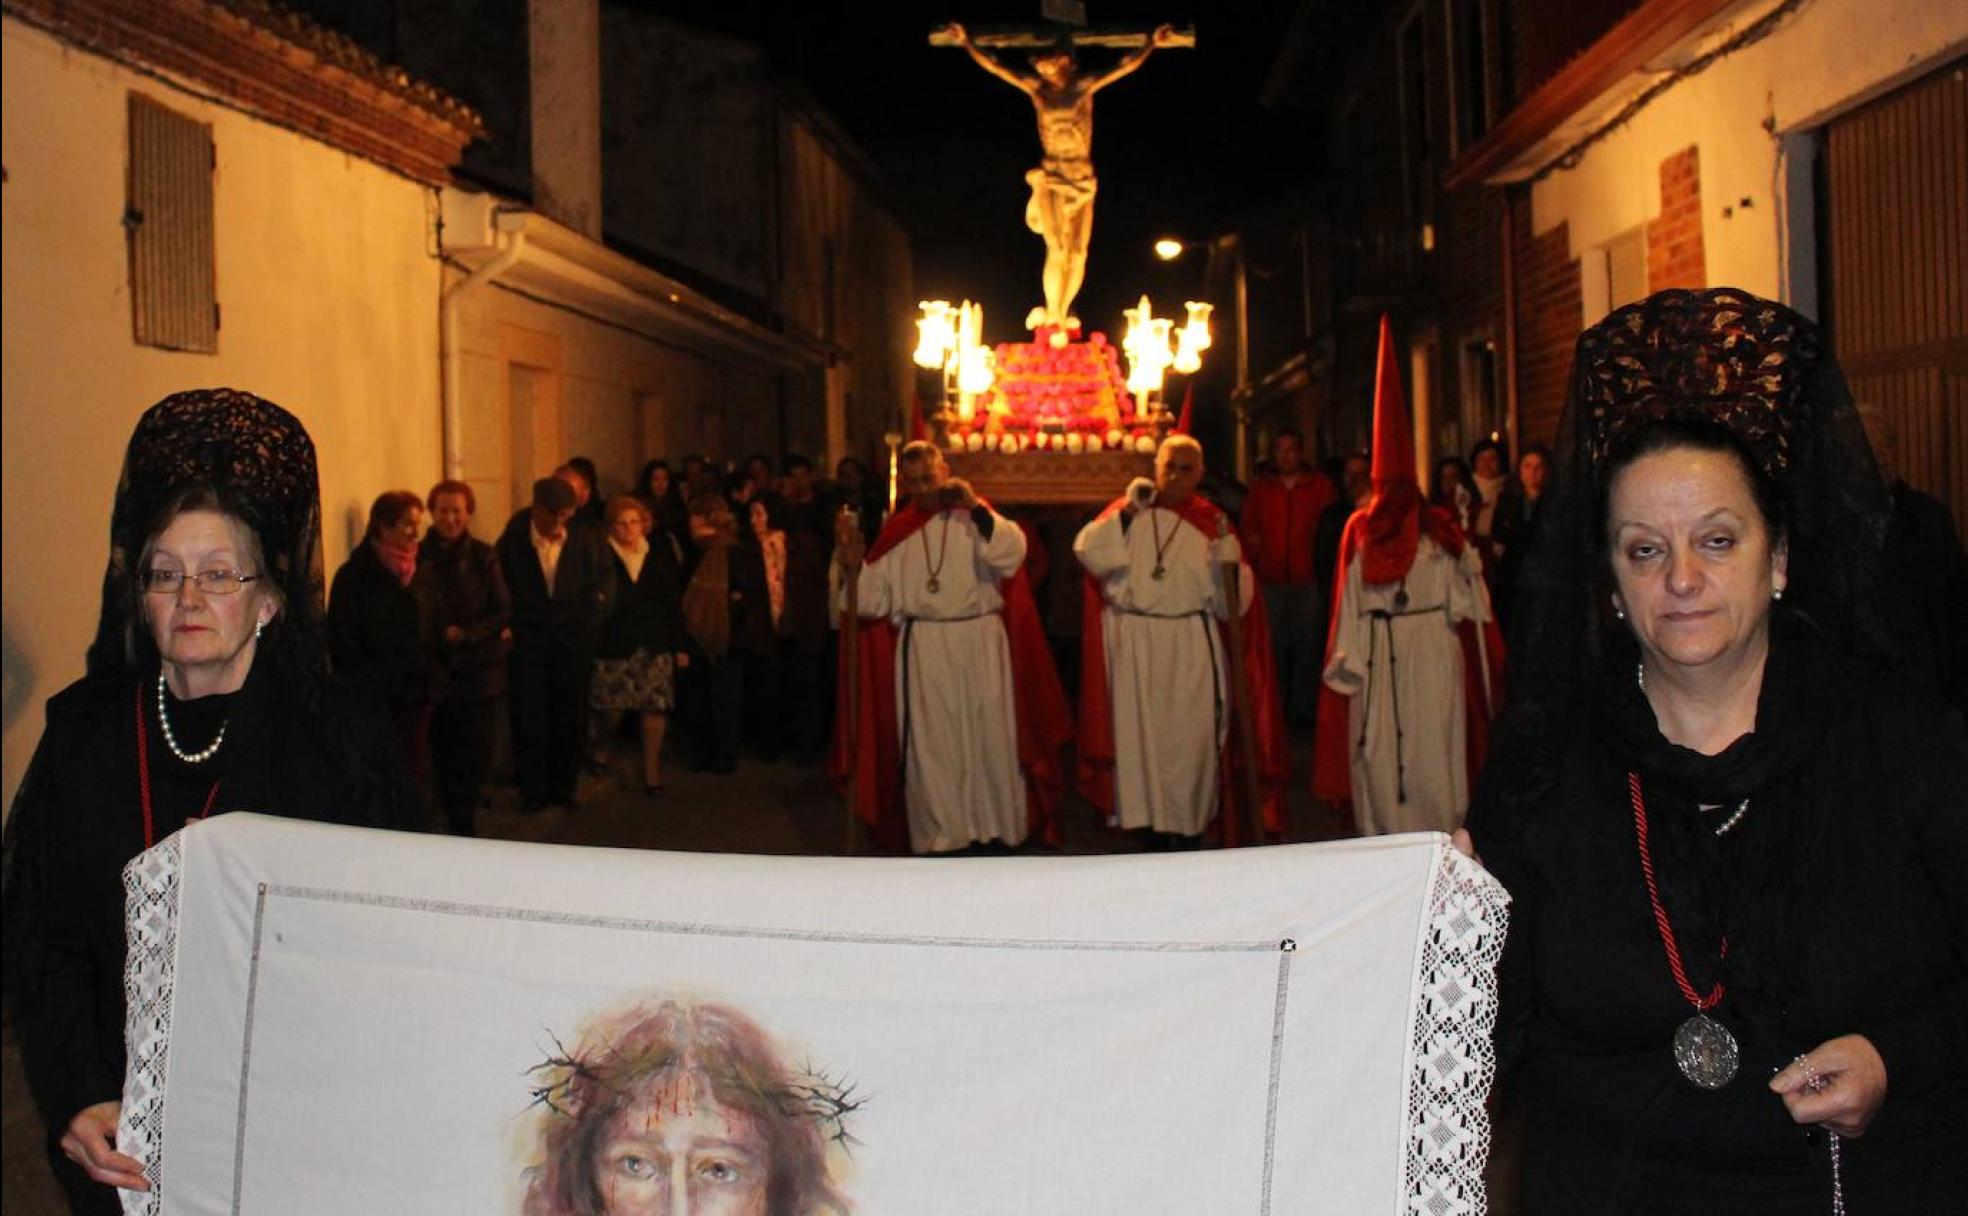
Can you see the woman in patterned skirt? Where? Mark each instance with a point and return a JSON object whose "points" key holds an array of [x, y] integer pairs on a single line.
{"points": [[642, 642]]}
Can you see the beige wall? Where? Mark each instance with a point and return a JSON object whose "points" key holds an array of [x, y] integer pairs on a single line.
{"points": [[329, 304], [1828, 57], [621, 399]]}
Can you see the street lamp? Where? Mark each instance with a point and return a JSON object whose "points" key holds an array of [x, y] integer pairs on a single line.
{"points": [[1149, 353], [1168, 249]]}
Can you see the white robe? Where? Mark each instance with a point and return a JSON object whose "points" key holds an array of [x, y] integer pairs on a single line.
{"points": [[1410, 772], [1168, 679], [953, 689]]}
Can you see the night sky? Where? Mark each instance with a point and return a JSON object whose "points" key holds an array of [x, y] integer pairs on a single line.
{"points": [[1180, 146]]}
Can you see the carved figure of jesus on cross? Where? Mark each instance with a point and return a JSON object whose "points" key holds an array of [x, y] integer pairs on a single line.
{"points": [[1063, 184]]}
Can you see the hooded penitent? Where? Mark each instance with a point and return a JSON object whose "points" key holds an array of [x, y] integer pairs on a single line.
{"points": [[1396, 515], [1096, 758], [1385, 535], [865, 760]]}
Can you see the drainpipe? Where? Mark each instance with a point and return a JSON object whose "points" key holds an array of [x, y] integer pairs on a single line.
{"points": [[513, 223], [1509, 270], [1240, 462]]}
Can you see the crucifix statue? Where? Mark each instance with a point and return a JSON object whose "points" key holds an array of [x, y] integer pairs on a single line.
{"points": [[1061, 209]]}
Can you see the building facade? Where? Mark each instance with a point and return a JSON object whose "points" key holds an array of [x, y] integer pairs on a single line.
{"points": [[168, 229], [704, 261], [1813, 153], [1499, 176], [214, 192]]}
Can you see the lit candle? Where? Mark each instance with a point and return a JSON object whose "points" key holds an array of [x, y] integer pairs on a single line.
{"points": [[894, 442]]}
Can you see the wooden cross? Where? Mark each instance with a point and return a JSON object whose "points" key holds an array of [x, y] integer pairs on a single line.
{"points": [[1054, 36]]}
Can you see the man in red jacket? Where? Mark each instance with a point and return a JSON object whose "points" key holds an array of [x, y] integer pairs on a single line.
{"points": [[1280, 524]]}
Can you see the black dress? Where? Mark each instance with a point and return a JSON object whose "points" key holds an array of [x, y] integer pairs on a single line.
{"points": [[467, 592], [377, 630], [1926, 592], [711, 692], [379, 636], [78, 819], [1514, 530], [1843, 894]]}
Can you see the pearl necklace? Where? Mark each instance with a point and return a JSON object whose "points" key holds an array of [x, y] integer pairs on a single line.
{"points": [[171, 739], [1640, 678], [1742, 808]]}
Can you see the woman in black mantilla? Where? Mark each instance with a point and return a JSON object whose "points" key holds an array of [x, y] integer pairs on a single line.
{"points": [[206, 692], [1737, 979]]}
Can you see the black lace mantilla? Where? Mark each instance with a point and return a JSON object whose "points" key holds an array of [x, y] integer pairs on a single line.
{"points": [[1720, 356], [248, 448]]}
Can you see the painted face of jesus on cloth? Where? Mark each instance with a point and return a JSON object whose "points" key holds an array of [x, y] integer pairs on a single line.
{"points": [[677, 1150]]}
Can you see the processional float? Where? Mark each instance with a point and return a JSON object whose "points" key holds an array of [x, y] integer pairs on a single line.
{"points": [[1066, 415]]}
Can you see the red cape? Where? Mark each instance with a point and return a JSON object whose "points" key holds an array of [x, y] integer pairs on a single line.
{"points": [[1096, 753], [1332, 750], [871, 776]]}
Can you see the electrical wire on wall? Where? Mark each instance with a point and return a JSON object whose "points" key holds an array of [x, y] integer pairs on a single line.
{"points": [[1751, 34]]}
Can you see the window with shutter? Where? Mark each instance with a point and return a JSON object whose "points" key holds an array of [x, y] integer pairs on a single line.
{"points": [[168, 214]]}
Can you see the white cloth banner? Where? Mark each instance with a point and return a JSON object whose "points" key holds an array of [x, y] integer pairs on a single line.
{"points": [[332, 1020]]}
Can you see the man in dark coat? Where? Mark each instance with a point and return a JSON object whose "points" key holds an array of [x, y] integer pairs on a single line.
{"points": [[561, 583], [1925, 591]]}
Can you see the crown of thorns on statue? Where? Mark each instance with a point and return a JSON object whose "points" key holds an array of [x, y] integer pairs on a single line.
{"points": [[1718, 356], [607, 1076]]}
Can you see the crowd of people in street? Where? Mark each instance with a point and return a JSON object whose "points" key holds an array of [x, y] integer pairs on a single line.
{"points": [[694, 594], [1718, 768], [715, 595]]}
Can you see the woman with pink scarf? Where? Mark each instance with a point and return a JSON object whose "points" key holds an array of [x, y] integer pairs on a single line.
{"points": [[379, 619]]}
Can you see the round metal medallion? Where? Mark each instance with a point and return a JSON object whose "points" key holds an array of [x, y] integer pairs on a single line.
{"points": [[934, 586], [1158, 572], [1706, 1052]]}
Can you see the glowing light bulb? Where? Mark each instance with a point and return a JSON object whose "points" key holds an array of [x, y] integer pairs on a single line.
{"points": [[1196, 331], [936, 331], [974, 373]]}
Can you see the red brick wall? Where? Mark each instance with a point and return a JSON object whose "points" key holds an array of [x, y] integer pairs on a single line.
{"points": [[1547, 34], [1675, 257], [279, 66], [1548, 311]]}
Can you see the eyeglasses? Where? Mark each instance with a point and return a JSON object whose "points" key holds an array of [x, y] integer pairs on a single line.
{"points": [[212, 582]]}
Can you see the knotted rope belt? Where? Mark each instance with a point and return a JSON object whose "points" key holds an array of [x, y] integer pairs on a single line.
{"points": [[1380, 618]]}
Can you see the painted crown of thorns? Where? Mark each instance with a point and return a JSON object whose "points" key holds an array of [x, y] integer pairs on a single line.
{"points": [[611, 1075], [1720, 356]]}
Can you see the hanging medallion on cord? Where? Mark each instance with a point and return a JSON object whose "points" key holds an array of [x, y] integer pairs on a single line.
{"points": [[1704, 1049], [942, 552], [1161, 546]]}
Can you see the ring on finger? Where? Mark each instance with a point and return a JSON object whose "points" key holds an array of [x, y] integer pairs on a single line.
{"points": [[1813, 1080]]}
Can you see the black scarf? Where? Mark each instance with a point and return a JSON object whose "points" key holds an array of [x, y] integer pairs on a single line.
{"points": [[1743, 885], [1791, 715]]}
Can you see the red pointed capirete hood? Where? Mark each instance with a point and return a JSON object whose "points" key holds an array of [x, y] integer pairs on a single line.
{"points": [[1394, 515]]}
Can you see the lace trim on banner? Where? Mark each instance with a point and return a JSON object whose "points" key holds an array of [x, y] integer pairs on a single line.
{"points": [[1453, 1051], [150, 889]]}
